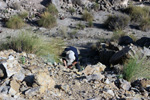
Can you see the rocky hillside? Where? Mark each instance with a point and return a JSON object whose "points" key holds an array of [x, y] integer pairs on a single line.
{"points": [[112, 36], [30, 77]]}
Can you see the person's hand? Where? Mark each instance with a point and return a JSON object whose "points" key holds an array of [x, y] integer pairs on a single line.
{"points": [[70, 66]]}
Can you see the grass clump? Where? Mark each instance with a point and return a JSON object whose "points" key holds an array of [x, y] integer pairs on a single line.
{"points": [[136, 68], [145, 24], [96, 6], [23, 15], [117, 34], [71, 10], [30, 43], [117, 22], [87, 16], [80, 26], [52, 9], [47, 20], [15, 22], [137, 13], [90, 23]]}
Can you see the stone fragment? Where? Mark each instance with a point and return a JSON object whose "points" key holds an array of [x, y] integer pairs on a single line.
{"points": [[14, 87], [125, 84], [45, 81], [110, 92], [94, 69]]}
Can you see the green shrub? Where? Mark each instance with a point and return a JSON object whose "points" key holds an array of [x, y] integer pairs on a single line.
{"points": [[117, 22], [30, 43], [87, 16], [117, 34], [47, 20], [80, 26], [137, 13], [52, 9], [90, 23], [71, 10], [15, 22], [96, 6], [23, 15], [145, 24], [136, 68]]}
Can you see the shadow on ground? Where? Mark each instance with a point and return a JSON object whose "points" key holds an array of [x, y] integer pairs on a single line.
{"points": [[45, 2]]}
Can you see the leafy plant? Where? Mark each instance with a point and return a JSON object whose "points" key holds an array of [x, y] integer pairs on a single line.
{"points": [[87, 16], [47, 20], [15, 22], [117, 22], [136, 68], [23, 60]]}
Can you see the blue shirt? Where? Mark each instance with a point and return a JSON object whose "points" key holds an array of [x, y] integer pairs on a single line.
{"points": [[74, 50]]}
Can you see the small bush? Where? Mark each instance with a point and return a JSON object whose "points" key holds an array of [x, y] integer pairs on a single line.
{"points": [[117, 22], [80, 26], [96, 6], [47, 20], [145, 24], [90, 24], [87, 16], [117, 34], [15, 22], [136, 68], [23, 15], [71, 10], [63, 31], [137, 13], [52, 9]]}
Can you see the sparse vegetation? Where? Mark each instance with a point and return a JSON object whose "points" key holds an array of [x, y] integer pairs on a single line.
{"points": [[137, 13], [117, 22], [117, 34], [15, 22], [63, 31], [23, 15], [136, 67], [52, 9], [32, 44], [90, 23], [80, 26], [47, 20], [145, 24], [72, 10], [96, 6], [87, 16]]}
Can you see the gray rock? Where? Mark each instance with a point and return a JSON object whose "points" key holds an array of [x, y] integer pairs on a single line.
{"points": [[97, 77], [19, 76], [32, 92], [125, 84]]}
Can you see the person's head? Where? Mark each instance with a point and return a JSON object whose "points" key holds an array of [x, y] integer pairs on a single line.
{"points": [[70, 57]]}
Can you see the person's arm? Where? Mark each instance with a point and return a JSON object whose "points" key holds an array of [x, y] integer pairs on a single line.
{"points": [[70, 66], [65, 63]]}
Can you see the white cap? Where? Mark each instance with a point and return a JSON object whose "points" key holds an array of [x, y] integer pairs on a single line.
{"points": [[70, 57]]}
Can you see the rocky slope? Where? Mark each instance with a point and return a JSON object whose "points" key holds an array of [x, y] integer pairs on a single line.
{"points": [[30, 77]]}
